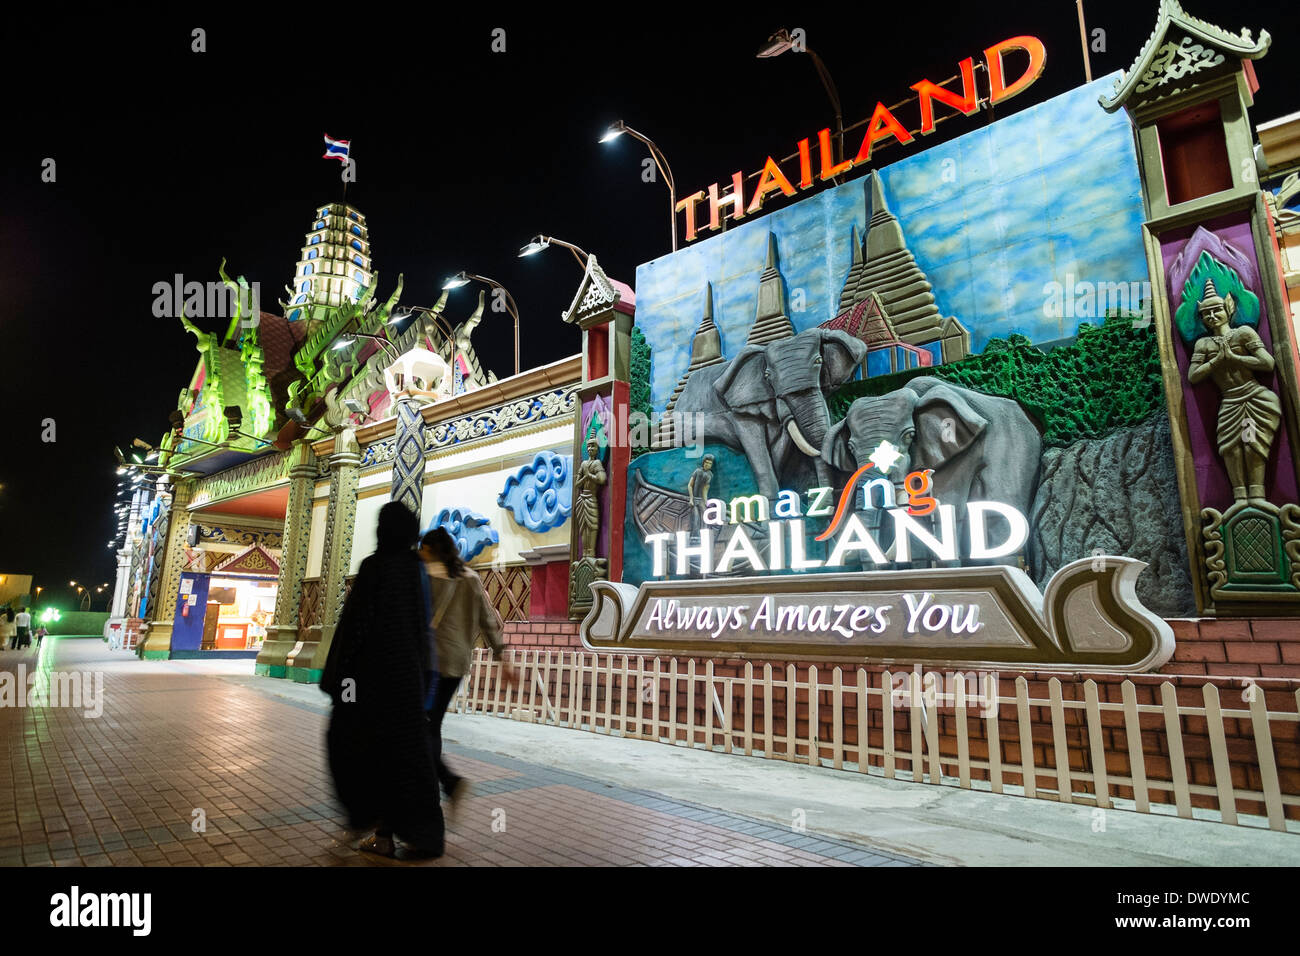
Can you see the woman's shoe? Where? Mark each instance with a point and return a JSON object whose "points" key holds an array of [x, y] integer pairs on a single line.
{"points": [[379, 845], [407, 852]]}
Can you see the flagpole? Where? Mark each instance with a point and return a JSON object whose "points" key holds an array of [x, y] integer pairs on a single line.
{"points": [[345, 179]]}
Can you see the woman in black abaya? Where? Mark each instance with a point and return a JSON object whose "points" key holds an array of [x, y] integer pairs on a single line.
{"points": [[381, 751]]}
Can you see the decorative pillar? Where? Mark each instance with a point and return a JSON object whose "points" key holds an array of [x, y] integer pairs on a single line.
{"points": [[158, 642], [282, 635], [603, 308], [1227, 348], [306, 659], [412, 381], [408, 457]]}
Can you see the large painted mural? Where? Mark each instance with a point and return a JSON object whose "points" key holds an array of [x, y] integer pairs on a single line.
{"points": [[977, 310], [988, 221]]}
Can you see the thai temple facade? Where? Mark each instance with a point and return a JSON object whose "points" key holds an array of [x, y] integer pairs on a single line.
{"points": [[1115, 485]]}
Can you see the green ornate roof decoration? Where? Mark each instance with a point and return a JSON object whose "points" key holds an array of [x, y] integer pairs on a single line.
{"points": [[1172, 15], [320, 364]]}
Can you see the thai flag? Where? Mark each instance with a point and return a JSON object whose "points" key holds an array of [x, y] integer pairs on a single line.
{"points": [[337, 149]]}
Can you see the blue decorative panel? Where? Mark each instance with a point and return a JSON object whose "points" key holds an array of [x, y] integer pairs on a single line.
{"points": [[468, 528], [540, 496]]}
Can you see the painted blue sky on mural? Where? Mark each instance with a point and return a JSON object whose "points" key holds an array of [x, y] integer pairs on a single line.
{"points": [[1051, 194]]}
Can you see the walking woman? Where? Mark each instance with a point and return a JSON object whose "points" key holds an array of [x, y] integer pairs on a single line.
{"points": [[381, 750], [461, 611]]}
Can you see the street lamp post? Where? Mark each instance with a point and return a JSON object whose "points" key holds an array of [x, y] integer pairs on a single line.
{"points": [[464, 278], [661, 161], [781, 41]]}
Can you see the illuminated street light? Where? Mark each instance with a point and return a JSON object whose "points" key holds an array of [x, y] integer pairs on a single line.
{"points": [[780, 42], [464, 278], [661, 161], [538, 243]]}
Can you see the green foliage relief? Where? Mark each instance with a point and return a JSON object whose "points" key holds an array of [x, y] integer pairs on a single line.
{"points": [[1108, 378], [639, 373]]}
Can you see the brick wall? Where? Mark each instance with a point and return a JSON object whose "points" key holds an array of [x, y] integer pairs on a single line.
{"points": [[527, 635], [1240, 648]]}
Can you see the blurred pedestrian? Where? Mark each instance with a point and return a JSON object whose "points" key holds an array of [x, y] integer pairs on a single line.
{"points": [[461, 612], [381, 747], [41, 633], [23, 620], [8, 630]]}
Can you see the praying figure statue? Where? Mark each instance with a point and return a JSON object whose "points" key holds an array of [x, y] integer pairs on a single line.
{"points": [[586, 509], [697, 490], [1249, 413]]}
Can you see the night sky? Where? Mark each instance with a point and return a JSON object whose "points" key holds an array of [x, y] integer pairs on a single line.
{"points": [[169, 160]]}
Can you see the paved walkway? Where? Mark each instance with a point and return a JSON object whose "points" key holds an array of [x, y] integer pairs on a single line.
{"points": [[184, 743]]}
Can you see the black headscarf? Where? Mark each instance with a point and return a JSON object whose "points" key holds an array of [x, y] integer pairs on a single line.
{"points": [[380, 746]]}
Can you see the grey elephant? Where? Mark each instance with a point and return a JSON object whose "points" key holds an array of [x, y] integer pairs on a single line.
{"points": [[769, 402], [981, 447]]}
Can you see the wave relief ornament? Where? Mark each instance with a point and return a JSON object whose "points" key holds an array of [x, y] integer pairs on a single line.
{"points": [[540, 495], [468, 529]]}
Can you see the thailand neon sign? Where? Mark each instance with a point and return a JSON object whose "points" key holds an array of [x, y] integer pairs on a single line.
{"points": [[882, 127]]}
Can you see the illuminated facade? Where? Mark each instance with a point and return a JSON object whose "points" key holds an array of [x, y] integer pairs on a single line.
{"points": [[1025, 401]]}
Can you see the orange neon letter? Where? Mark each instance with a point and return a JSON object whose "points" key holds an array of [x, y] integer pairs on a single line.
{"points": [[917, 502], [967, 103], [882, 124], [687, 205], [805, 164], [735, 199], [999, 89], [770, 180], [829, 166]]}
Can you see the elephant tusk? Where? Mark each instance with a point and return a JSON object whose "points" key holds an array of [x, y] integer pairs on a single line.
{"points": [[799, 440]]}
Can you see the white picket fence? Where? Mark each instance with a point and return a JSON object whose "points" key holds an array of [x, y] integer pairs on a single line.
{"points": [[642, 698]]}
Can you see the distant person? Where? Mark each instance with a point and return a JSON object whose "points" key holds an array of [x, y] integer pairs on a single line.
{"points": [[41, 633], [23, 621], [461, 612], [8, 630], [381, 748]]}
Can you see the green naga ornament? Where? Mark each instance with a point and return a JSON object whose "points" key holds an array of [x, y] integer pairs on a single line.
{"points": [[211, 397], [257, 391]]}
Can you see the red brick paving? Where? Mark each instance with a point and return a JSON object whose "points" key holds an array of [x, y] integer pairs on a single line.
{"points": [[122, 789]]}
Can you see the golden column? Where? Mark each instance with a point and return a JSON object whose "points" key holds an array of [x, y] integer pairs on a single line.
{"points": [[283, 633], [306, 663], [158, 641]]}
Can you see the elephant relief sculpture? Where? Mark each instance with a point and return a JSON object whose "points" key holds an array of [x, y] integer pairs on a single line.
{"points": [[981, 447], [769, 403]]}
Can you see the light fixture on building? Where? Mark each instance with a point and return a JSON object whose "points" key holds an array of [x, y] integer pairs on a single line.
{"points": [[780, 42], [464, 278], [538, 243], [661, 161]]}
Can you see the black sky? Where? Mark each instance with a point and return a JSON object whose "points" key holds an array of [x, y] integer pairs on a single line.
{"points": [[168, 160]]}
